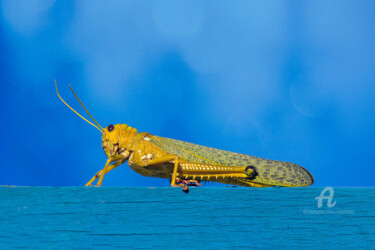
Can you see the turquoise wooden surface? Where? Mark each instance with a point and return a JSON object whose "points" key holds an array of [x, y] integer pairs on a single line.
{"points": [[80, 217]]}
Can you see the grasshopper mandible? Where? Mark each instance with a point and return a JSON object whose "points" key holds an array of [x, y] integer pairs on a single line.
{"points": [[186, 164]]}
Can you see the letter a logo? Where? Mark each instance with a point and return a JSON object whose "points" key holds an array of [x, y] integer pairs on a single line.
{"points": [[328, 198]]}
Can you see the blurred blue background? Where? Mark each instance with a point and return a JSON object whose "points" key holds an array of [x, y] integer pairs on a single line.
{"points": [[283, 80]]}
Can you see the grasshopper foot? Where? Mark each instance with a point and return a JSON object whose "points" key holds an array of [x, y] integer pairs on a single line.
{"points": [[185, 189]]}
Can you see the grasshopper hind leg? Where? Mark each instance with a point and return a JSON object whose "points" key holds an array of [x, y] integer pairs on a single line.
{"points": [[185, 189], [185, 183], [251, 172]]}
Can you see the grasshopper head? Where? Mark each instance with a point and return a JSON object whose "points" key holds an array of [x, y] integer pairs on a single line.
{"points": [[110, 139], [117, 138]]}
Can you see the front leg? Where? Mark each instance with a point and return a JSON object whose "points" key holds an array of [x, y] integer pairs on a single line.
{"points": [[168, 158], [118, 159], [99, 173]]}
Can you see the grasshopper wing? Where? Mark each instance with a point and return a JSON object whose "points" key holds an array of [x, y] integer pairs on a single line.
{"points": [[268, 172]]}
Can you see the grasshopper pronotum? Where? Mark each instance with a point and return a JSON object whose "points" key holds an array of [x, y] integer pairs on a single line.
{"points": [[186, 164]]}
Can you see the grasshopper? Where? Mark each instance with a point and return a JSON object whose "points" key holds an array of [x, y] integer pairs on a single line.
{"points": [[187, 164]]}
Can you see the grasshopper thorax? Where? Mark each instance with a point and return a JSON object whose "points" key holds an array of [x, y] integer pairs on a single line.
{"points": [[118, 138]]}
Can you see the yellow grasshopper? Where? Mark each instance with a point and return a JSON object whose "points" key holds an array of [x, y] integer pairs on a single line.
{"points": [[186, 163]]}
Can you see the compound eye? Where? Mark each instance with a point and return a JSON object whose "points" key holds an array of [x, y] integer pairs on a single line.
{"points": [[110, 128]]}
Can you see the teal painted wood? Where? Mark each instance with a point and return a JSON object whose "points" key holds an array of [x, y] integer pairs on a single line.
{"points": [[84, 217]]}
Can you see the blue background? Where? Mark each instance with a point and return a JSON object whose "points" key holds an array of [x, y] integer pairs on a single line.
{"points": [[283, 80]]}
